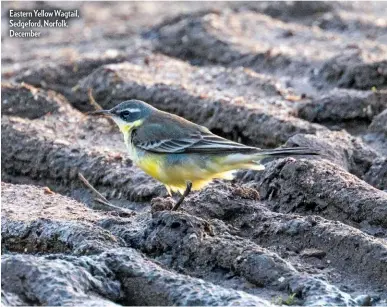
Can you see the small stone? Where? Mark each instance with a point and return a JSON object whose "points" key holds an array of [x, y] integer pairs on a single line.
{"points": [[193, 236], [47, 190], [363, 300], [281, 279], [313, 252]]}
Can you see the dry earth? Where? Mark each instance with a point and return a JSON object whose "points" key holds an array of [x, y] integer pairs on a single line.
{"points": [[305, 231]]}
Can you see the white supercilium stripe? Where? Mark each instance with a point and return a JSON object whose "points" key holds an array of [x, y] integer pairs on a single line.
{"points": [[134, 110]]}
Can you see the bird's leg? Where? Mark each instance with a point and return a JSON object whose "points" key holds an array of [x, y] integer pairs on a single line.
{"points": [[186, 192]]}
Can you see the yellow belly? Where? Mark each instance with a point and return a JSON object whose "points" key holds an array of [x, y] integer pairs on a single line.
{"points": [[175, 177]]}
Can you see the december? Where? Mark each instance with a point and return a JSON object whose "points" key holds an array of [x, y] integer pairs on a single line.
{"points": [[22, 34]]}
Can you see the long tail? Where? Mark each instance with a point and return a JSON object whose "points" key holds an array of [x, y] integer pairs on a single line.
{"points": [[284, 152], [252, 161]]}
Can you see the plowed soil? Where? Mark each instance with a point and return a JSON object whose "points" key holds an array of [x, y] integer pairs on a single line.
{"points": [[305, 231]]}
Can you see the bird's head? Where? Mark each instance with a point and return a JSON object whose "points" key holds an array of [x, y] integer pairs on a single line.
{"points": [[127, 114]]}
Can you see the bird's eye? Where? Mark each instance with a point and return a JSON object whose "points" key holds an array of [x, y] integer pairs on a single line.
{"points": [[125, 113]]}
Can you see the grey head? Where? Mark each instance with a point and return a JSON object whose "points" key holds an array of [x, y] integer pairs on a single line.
{"points": [[128, 111], [132, 110]]}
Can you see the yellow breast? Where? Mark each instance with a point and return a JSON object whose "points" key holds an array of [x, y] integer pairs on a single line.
{"points": [[150, 164], [175, 176]]}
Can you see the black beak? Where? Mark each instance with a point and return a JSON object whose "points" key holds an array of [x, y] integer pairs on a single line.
{"points": [[100, 113]]}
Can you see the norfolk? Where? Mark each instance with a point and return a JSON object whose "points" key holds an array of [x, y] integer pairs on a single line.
{"points": [[55, 24]]}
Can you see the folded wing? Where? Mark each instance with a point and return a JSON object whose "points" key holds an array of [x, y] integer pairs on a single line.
{"points": [[194, 142]]}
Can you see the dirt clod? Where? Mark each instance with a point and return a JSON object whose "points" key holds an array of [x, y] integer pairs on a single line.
{"points": [[307, 230], [161, 204]]}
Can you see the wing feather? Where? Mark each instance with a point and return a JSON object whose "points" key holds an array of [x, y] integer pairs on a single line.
{"points": [[199, 142], [168, 133]]}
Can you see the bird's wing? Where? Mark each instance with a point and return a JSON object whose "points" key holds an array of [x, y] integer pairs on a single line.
{"points": [[160, 139]]}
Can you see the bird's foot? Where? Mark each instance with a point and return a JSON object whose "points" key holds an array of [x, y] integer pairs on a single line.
{"points": [[186, 192]]}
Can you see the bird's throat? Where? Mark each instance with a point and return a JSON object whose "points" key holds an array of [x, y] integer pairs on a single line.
{"points": [[127, 128]]}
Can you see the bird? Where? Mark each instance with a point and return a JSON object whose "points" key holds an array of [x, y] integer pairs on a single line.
{"points": [[180, 154]]}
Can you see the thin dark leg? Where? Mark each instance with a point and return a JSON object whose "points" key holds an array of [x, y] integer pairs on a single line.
{"points": [[186, 192]]}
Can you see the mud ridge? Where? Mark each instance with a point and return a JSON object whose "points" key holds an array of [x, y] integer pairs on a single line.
{"points": [[313, 186], [289, 233], [351, 153], [194, 244], [103, 274], [199, 250], [62, 76], [354, 70], [305, 231], [344, 105], [31, 151]]}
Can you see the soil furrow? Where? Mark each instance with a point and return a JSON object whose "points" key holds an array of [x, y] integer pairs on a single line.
{"points": [[306, 231]]}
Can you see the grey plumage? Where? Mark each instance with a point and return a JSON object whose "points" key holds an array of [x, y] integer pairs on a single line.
{"points": [[168, 133]]}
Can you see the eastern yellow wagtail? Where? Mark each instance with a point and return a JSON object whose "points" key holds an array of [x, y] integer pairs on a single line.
{"points": [[181, 154]]}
